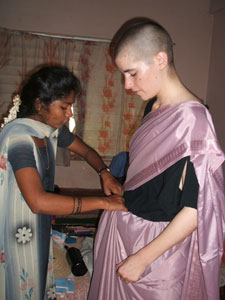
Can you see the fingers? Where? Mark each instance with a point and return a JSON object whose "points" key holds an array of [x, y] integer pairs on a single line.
{"points": [[126, 280], [111, 185], [120, 206], [123, 207], [115, 202], [107, 192], [120, 191], [126, 272], [115, 190], [119, 199]]}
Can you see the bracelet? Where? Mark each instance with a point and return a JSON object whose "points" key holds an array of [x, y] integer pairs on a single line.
{"points": [[105, 168], [73, 205], [79, 203]]}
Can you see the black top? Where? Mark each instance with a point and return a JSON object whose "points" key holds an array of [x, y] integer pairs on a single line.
{"points": [[160, 199], [148, 106]]}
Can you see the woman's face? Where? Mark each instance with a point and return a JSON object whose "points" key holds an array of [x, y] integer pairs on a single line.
{"points": [[140, 77], [58, 112]]}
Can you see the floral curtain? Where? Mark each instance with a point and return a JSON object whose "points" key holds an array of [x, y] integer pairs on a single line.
{"points": [[112, 114], [106, 115]]}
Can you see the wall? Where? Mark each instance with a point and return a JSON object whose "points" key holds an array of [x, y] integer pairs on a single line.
{"points": [[216, 84], [189, 23], [79, 175]]}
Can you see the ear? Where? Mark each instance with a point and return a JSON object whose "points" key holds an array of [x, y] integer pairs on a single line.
{"points": [[161, 59], [38, 104]]}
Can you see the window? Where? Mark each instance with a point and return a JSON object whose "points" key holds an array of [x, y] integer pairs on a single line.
{"points": [[105, 115]]}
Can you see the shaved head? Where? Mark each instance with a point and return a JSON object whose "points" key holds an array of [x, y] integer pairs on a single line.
{"points": [[145, 38]]}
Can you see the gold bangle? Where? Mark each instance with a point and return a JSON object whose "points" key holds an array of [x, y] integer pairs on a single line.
{"points": [[79, 203], [73, 205]]}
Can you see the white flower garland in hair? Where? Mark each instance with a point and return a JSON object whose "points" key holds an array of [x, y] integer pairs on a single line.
{"points": [[13, 111]]}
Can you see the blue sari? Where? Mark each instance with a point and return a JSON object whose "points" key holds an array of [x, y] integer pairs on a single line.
{"points": [[26, 265]]}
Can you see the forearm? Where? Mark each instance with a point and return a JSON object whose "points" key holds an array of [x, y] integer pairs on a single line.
{"points": [[94, 160], [54, 204], [179, 228], [89, 154], [40, 201]]}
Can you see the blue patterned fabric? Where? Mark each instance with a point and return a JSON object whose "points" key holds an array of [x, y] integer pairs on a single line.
{"points": [[26, 268]]}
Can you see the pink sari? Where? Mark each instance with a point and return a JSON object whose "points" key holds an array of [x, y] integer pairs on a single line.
{"points": [[190, 269]]}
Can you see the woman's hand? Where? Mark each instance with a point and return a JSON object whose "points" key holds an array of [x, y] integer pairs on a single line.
{"points": [[114, 202], [182, 225], [131, 269], [110, 184]]}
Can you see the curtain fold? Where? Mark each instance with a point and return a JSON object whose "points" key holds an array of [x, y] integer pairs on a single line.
{"points": [[112, 114], [105, 114]]}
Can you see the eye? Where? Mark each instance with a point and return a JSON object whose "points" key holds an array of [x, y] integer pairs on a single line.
{"points": [[133, 74], [63, 108]]}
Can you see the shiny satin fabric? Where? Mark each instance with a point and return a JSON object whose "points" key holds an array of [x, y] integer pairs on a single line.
{"points": [[122, 234], [169, 134], [190, 270]]}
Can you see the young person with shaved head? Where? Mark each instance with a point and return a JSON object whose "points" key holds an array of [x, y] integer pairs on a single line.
{"points": [[170, 242]]}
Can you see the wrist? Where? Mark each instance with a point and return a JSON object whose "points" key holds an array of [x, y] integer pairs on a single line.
{"points": [[77, 204], [144, 256], [102, 203], [104, 170]]}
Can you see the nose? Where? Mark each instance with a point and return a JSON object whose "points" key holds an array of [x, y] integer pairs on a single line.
{"points": [[128, 82], [69, 112]]}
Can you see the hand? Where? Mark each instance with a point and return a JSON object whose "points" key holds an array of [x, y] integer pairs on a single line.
{"points": [[110, 184], [114, 202], [131, 269]]}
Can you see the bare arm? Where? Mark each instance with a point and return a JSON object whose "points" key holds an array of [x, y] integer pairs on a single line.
{"points": [[110, 184], [40, 201], [183, 224]]}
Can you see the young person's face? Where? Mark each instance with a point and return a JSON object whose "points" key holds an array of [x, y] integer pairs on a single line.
{"points": [[58, 112], [140, 76]]}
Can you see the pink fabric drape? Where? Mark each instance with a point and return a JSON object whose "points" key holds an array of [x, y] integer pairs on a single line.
{"points": [[169, 134], [190, 270]]}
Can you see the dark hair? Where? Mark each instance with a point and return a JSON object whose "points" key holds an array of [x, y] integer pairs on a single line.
{"points": [[49, 83], [147, 32]]}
